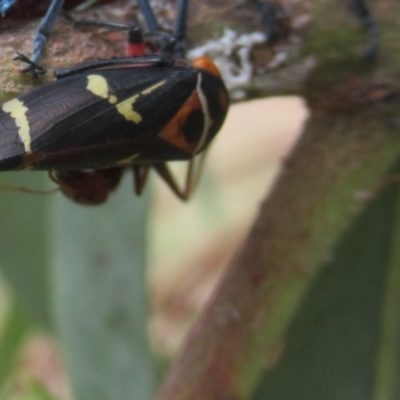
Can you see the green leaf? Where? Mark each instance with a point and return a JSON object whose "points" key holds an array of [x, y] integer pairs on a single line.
{"points": [[13, 331], [23, 247], [335, 348], [35, 391], [99, 292]]}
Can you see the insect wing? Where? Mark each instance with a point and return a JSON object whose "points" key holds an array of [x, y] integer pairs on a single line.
{"points": [[95, 119]]}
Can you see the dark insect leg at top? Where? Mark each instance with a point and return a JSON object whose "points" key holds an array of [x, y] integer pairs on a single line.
{"points": [[55, 8], [151, 20], [180, 25], [43, 33], [265, 8], [5, 5], [180, 28]]}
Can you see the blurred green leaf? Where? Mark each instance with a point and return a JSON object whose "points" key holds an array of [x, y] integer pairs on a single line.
{"points": [[35, 391], [335, 348], [99, 293], [23, 246], [14, 330]]}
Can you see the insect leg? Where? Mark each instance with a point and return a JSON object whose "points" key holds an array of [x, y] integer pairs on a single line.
{"points": [[27, 190], [149, 16], [5, 5], [180, 28], [140, 174], [166, 174], [99, 24], [43, 32], [135, 42], [193, 173]]}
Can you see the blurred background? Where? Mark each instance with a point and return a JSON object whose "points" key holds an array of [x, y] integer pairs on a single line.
{"points": [[242, 163]]}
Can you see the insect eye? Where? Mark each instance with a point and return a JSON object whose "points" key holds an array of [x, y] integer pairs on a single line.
{"points": [[193, 126]]}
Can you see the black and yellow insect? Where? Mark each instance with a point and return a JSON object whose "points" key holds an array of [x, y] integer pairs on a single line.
{"points": [[100, 118]]}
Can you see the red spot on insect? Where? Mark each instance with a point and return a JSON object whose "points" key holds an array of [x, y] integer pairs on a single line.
{"points": [[135, 49]]}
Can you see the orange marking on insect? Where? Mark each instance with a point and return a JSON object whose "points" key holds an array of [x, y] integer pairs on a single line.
{"points": [[172, 132], [206, 64]]}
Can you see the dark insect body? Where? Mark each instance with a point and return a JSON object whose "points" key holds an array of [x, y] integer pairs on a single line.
{"points": [[100, 118], [111, 117]]}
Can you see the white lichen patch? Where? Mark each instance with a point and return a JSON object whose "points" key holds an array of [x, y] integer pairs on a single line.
{"points": [[231, 53]]}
